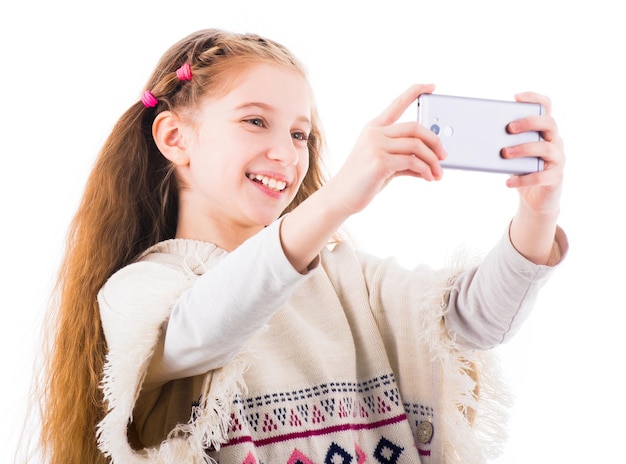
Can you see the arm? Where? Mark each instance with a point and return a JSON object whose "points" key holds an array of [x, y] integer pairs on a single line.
{"points": [[385, 149], [211, 321], [533, 227], [488, 304]]}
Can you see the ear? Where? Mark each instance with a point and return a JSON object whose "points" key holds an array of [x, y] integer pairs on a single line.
{"points": [[168, 136]]}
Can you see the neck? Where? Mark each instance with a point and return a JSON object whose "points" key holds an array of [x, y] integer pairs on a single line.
{"points": [[225, 235]]}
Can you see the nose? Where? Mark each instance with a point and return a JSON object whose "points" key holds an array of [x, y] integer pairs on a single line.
{"points": [[283, 150]]}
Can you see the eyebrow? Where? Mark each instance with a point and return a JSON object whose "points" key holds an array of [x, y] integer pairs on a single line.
{"points": [[267, 107]]}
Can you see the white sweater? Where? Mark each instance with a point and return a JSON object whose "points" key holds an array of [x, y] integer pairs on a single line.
{"points": [[216, 314]]}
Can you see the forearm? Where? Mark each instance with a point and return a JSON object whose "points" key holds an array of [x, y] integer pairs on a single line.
{"points": [[212, 320], [489, 304], [307, 229]]}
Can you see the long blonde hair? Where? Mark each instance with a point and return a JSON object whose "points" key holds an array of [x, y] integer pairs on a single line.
{"points": [[130, 202]]}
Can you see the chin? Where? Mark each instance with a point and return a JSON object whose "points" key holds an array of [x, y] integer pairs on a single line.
{"points": [[265, 219]]}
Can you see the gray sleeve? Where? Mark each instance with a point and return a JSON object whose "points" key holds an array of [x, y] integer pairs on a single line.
{"points": [[489, 304], [211, 321]]}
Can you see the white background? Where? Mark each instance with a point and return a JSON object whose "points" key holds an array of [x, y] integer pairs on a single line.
{"points": [[69, 70]]}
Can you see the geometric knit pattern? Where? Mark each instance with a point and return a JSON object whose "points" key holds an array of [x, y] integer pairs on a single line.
{"points": [[331, 423]]}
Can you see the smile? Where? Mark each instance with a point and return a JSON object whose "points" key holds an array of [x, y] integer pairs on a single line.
{"points": [[269, 182]]}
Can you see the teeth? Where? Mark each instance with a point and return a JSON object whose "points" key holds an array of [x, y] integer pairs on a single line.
{"points": [[269, 182]]}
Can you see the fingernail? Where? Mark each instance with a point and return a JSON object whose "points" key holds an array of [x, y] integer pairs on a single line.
{"points": [[510, 181]]}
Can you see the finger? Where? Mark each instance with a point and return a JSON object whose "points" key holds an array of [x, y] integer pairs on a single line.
{"points": [[402, 102], [545, 125], [409, 173], [415, 148], [548, 152], [417, 131], [527, 180], [535, 179], [532, 97], [403, 165]]}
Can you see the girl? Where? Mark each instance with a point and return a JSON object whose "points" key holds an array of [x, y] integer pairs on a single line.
{"points": [[207, 312]]}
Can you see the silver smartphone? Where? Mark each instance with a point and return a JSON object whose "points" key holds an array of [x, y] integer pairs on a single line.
{"points": [[473, 131]]}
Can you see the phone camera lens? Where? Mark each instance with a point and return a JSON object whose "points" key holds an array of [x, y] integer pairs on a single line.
{"points": [[435, 128]]}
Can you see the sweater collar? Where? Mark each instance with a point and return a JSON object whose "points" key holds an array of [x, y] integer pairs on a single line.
{"points": [[194, 255]]}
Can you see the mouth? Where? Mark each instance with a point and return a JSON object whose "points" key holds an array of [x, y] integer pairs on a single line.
{"points": [[271, 183]]}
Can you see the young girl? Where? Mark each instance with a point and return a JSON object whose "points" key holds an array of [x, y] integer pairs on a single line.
{"points": [[207, 311]]}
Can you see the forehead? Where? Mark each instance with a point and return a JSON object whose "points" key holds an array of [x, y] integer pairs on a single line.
{"points": [[273, 85]]}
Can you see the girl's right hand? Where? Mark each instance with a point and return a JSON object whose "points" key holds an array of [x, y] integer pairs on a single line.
{"points": [[385, 149]]}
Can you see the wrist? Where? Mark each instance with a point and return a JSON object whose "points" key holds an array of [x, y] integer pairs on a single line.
{"points": [[547, 216], [532, 235], [310, 227]]}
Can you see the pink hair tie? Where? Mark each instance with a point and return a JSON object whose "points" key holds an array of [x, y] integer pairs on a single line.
{"points": [[184, 72], [148, 99]]}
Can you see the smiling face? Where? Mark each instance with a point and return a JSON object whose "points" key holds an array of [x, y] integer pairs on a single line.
{"points": [[246, 155]]}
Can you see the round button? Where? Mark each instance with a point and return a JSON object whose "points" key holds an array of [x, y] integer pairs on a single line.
{"points": [[425, 432]]}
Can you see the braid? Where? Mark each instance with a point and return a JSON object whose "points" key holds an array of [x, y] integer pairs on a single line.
{"points": [[209, 58]]}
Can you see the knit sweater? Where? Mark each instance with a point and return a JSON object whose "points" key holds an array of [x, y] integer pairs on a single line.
{"points": [[358, 361]]}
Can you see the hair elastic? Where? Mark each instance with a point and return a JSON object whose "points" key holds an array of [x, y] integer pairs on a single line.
{"points": [[184, 72], [148, 100]]}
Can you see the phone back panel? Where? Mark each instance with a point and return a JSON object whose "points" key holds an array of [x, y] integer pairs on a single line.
{"points": [[473, 131]]}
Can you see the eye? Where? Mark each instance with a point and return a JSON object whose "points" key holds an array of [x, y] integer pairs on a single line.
{"points": [[302, 136], [256, 122]]}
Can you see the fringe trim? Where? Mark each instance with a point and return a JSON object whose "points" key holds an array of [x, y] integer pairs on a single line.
{"points": [[208, 428], [474, 399], [186, 443], [124, 373]]}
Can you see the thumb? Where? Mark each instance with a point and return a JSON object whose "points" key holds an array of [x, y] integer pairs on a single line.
{"points": [[391, 114]]}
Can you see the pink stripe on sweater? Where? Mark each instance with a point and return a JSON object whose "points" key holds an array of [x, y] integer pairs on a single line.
{"points": [[318, 432]]}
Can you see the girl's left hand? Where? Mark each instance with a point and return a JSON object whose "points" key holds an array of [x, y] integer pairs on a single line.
{"points": [[540, 192]]}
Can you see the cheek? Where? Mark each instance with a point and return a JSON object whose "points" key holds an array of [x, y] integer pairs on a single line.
{"points": [[303, 164], [303, 168]]}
